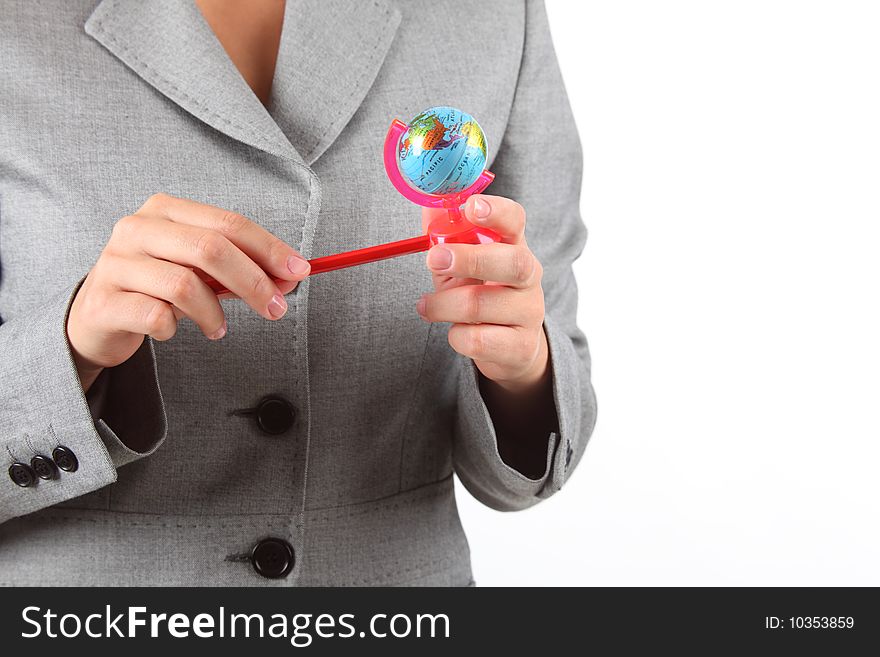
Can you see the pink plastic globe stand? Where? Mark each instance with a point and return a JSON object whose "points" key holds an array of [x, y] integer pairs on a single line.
{"points": [[451, 228]]}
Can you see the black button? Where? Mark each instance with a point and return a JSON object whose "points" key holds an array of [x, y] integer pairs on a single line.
{"points": [[44, 467], [275, 415], [22, 474], [272, 558], [65, 459]]}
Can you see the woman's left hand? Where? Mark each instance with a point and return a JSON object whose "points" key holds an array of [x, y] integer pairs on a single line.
{"points": [[492, 295]]}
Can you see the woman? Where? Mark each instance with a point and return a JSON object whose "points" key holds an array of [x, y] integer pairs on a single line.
{"points": [[298, 433]]}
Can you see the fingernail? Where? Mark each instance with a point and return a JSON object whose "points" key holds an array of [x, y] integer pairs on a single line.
{"points": [[298, 266], [219, 333], [481, 209], [421, 305], [277, 307], [439, 258]]}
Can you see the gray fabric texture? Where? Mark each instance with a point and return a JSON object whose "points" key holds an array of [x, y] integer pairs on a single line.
{"points": [[102, 105]]}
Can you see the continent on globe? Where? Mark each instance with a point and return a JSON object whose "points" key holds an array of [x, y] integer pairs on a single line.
{"points": [[443, 151]]}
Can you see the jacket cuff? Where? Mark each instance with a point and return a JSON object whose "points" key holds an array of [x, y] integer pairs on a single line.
{"points": [[478, 460], [42, 407], [128, 409], [477, 457], [575, 401]]}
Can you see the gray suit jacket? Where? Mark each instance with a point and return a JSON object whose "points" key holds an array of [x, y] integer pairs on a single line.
{"points": [[101, 106]]}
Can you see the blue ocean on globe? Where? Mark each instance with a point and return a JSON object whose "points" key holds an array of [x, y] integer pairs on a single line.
{"points": [[443, 151]]}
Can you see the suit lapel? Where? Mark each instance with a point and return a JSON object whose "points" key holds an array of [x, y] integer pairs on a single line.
{"points": [[170, 45], [329, 56]]}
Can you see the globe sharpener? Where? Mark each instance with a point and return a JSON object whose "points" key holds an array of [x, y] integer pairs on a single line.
{"points": [[437, 161]]}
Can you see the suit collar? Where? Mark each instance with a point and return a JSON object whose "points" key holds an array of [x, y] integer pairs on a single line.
{"points": [[329, 56], [331, 52]]}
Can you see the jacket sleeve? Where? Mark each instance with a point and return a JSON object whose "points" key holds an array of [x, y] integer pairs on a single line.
{"points": [[539, 164], [42, 407]]}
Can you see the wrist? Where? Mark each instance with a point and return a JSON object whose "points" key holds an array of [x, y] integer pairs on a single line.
{"points": [[523, 412], [88, 373], [85, 369], [533, 377]]}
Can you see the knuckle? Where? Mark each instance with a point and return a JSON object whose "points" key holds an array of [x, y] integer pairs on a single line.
{"points": [[232, 223], [523, 264], [210, 246], [96, 290], [453, 337], [538, 273], [156, 200], [182, 284], [476, 264], [95, 301], [260, 285], [277, 250], [429, 306], [473, 303], [124, 227], [160, 322], [103, 265], [475, 341]]}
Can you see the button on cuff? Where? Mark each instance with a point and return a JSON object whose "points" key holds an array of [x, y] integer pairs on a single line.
{"points": [[44, 467], [22, 475], [65, 459]]}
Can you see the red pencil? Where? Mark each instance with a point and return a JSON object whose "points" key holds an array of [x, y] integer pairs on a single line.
{"points": [[352, 258]]}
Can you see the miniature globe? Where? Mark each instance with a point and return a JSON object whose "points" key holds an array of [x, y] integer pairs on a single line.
{"points": [[442, 152]]}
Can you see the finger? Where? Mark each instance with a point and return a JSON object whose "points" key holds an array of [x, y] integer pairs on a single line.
{"points": [[176, 284], [489, 304], [269, 252], [510, 264], [442, 282], [505, 217], [209, 251], [133, 312], [510, 346], [286, 287]]}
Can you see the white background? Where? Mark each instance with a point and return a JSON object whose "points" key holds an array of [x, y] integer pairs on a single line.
{"points": [[729, 290]]}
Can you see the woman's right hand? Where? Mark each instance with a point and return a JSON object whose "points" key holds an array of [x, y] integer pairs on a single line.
{"points": [[146, 279]]}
